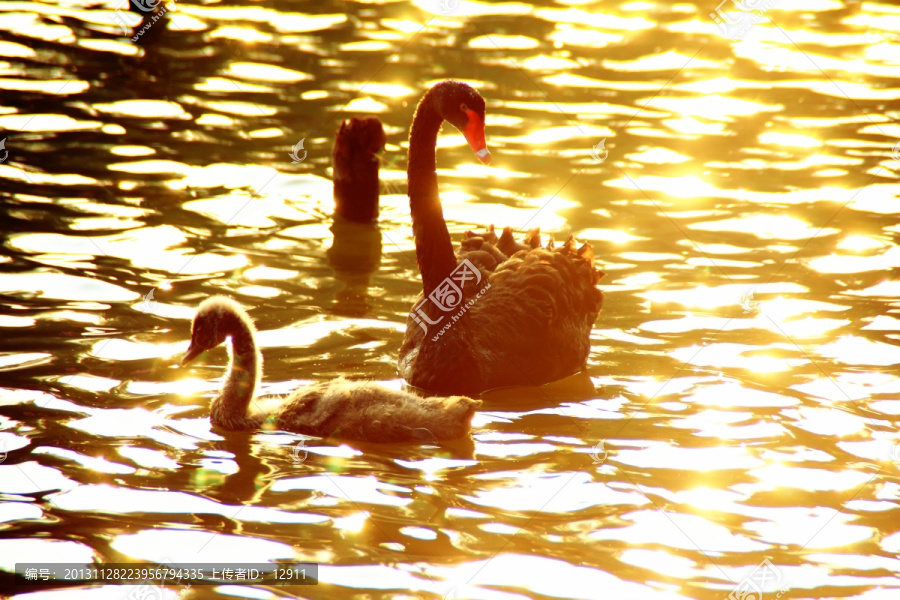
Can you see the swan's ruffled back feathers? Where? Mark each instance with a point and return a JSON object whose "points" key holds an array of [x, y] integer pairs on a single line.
{"points": [[481, 250], [575, 266], [532, 325]]}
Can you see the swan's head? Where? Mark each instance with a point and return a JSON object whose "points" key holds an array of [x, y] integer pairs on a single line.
{"points": [[215, 320], [463, 106]]}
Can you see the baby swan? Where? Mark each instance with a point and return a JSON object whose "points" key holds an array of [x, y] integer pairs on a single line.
{"points": [[355, 410]]}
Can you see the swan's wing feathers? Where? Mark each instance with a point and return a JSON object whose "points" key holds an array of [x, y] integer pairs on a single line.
{"points": [[586, 252], [583, 254], [471, 241], [507, 244], [488, 236], [481, 249], [558, 281]]}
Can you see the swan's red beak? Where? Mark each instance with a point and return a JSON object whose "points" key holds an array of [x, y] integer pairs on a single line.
{"points": [[474, 133], [192, 353]]}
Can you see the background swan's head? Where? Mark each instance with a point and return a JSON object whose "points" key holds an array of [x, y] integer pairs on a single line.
{"points": [[216, 319], [363, 135], [463, 106]]}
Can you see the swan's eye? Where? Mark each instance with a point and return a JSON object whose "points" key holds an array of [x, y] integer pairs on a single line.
{"points": [[464, 108]]}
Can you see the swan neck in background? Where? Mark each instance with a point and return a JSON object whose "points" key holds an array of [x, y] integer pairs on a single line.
{"points": [[434, 250], [229, 410], [356, 199], [356, 184]]}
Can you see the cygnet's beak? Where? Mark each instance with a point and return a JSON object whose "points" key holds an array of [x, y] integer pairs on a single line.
{"points": [[192, 353]]}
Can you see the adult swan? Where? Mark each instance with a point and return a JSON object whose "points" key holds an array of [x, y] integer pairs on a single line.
{"points": [[498, 313]]}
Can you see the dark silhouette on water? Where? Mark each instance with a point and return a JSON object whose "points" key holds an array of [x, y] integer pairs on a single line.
{"points": [[355, 410], [499, 313]]}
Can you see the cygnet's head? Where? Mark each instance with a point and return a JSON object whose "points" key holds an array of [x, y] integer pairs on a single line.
{"points": [[216, 319]]}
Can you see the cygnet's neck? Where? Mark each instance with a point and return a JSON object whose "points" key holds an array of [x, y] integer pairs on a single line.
{"points": [[229, 410]]}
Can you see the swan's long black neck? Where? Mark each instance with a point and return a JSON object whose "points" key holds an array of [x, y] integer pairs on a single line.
{"points": [[230, 409], [434, 250], [356, 193]]}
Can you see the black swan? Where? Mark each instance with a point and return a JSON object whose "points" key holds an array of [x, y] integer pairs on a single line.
{"points": [[355, 410], [355, 162], [356, 248], [498, 313]]}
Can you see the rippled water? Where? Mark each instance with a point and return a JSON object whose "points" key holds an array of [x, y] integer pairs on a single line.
{"points": [[741, 395]]}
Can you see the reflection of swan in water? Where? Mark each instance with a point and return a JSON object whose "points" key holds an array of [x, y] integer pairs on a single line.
{"points": [[356, 250], [357, 410]]}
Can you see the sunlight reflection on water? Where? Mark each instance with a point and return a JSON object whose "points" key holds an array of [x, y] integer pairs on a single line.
{"points": [[738, 406]]}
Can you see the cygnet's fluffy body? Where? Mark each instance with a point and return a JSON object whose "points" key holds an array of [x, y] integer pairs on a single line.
{"points": [[355, 410], [364, 411]]}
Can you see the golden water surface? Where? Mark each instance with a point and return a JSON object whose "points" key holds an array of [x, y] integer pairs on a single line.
{"points": [[740, 400]]}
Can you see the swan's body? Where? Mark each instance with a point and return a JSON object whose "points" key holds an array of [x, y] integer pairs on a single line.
{"points": [[345, 409], [524, 318]]}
